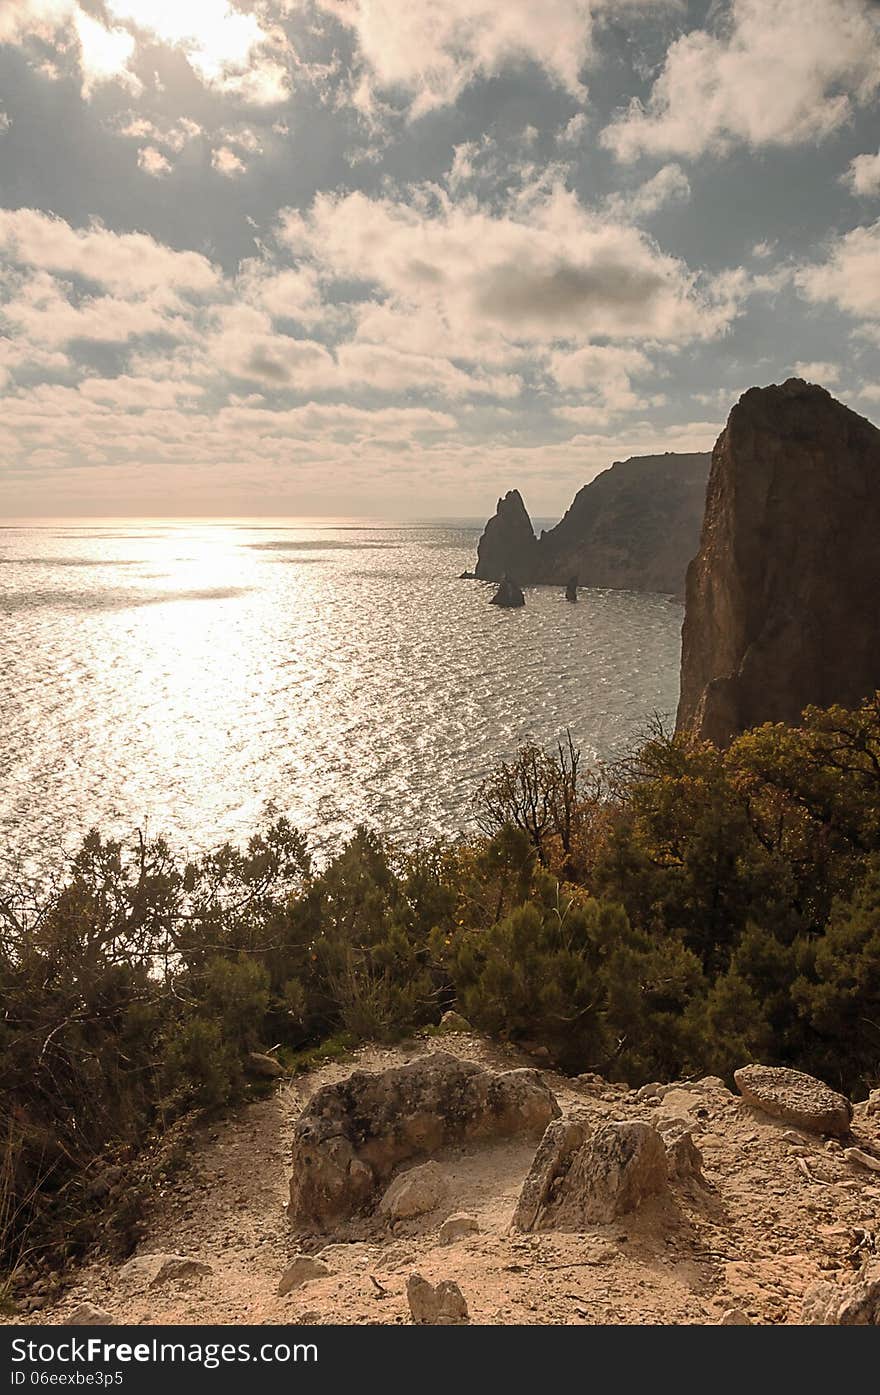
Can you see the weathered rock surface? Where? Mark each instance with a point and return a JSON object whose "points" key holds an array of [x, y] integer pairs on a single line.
{"points": [[457, 1227], [263, 1067], [860, 1158], [799, 1099], [735, 1317], [683, 1158], [441, 1304], [578, 1178], [415, 1192], [856, 1304], [636, 526], [452, 1022], [87, 1314], [781, 597], [352, 1136], [149, 1271], [300, 1271]]}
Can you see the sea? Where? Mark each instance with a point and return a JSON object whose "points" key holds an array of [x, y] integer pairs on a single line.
{"points": [[194, 679]]}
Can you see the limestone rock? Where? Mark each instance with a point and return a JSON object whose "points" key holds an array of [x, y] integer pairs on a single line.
{"points": [[300, 1271], [579, 1179], [862, 1159], [781, 597], [855, 1304], [683, 1158], [457, 1227], [87, 1314], [452, 1022], [351, 1136], [635, 526], [151, 1270], [561, 1140], [796, 1098], [735, 1317], [415, 1192], [441, 1304], [264, 1067]]}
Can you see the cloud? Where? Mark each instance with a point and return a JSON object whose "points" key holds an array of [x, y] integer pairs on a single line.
{"points": [[849, 277], [227, 49], [131, 263], [775, 74], [225, 161], [863, 176], [152, 161], [826, 374], [479, 283], [669, 185], [432, 50]]}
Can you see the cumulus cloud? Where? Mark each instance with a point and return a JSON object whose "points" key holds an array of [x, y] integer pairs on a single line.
{"points": [[433, 49], [669, 185], [863, 176], [849, 276], [152, 161], [774, 74], [482, 282], [225, 161], [827, 374]]}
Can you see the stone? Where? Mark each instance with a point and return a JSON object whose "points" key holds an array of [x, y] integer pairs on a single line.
{"points": [[862, 1159], [853, 1304], [452, 1022], [561, 1140], [353, 1135], [871, 1105], [635, 526], [578, 1178], [796, 1098], [302, 1270], [414, 1193], [780, 607], [509, 594], [264, 1067], [683, 1158], [87, 1314], [442, 1304], [457, 1227], [735, 1317], [151, 1270]]}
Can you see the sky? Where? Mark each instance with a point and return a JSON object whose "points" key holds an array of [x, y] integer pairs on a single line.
{"points": [[391, 258]]}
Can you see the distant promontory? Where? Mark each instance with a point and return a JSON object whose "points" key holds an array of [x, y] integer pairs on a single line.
{"points": [[635, 527]]}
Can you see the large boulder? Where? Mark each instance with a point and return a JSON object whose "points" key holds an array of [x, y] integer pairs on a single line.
{"points": [[855, 1304], [798, 1099], [781, 608], [580, 1179], [353, 1135]]}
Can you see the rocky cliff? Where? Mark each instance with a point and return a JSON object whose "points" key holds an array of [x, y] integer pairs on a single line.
{"points": [[635, 527], [782, 597]]}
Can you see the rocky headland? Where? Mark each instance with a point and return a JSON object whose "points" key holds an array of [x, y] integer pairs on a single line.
{"points": [[635, 527]]}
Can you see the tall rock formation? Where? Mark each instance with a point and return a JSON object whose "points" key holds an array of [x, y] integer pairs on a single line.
{"points": [[634, 527], [783, 598]]}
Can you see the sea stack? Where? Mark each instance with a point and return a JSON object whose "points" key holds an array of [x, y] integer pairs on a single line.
{"points": [[781, 603], [571, 589], [509, 594]]}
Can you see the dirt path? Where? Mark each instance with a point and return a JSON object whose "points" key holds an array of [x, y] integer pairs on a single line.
{"points": [[777, 1215]]}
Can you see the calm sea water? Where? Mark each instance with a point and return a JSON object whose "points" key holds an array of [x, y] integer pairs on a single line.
{"points": [[187, 677]]}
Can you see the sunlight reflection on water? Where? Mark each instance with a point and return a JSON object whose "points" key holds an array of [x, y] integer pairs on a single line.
{"points": [[197, 673]]}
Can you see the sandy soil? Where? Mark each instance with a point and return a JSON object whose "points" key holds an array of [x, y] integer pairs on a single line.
{"points": [[778, 1213]]}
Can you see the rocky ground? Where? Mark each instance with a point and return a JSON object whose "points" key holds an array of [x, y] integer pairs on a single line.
{"points": [[781, 1209]]}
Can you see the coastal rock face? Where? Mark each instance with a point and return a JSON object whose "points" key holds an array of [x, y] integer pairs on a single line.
{"points": [[796, 1098], [635, 527], [353, 1135], [781, 602]]}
